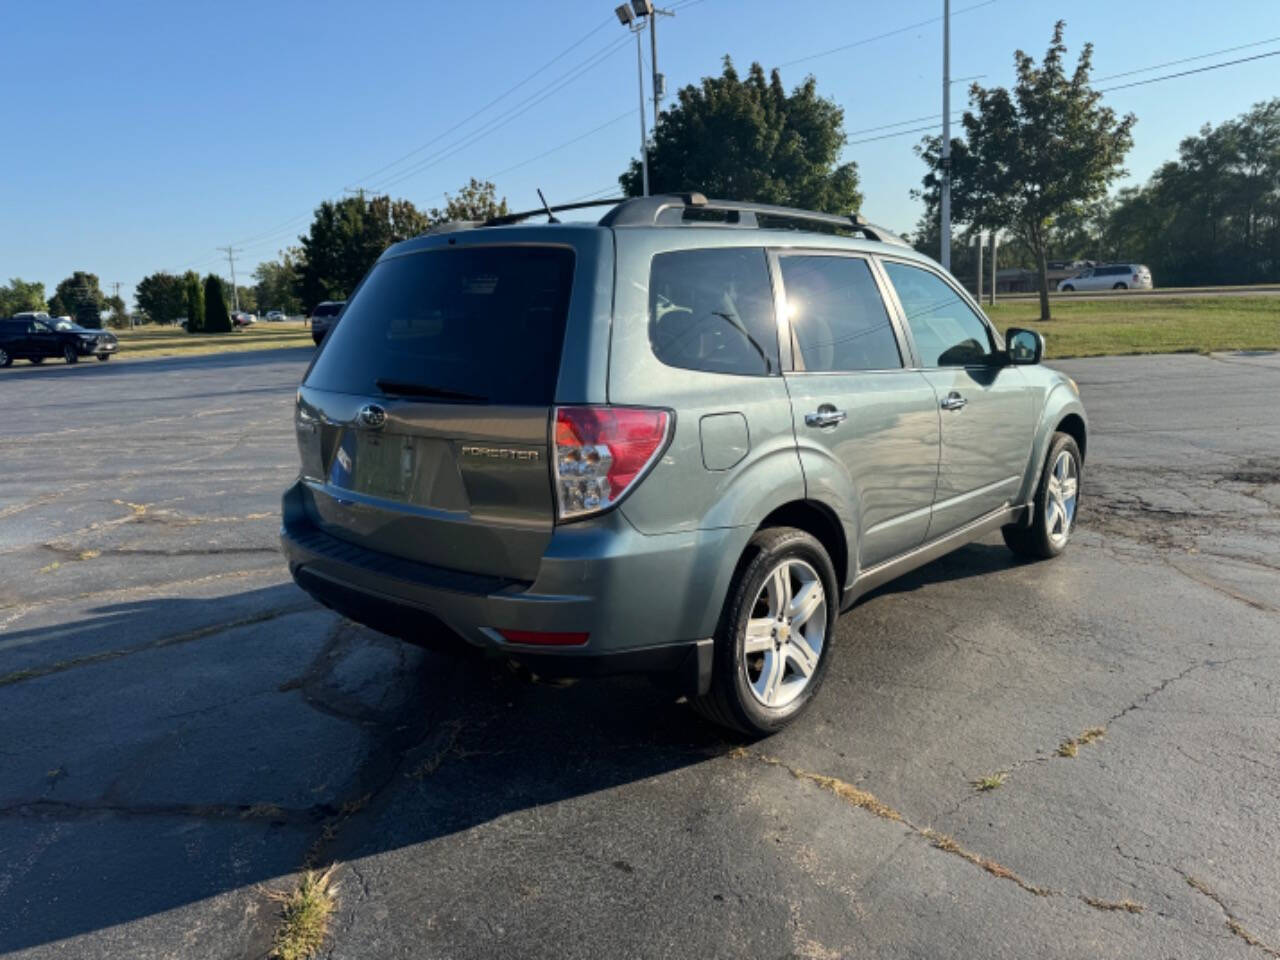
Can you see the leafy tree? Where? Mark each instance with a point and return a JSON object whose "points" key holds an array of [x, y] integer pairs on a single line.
{"points": [[751, 140], [346, 238], [274, 280], [195, 302], [162, 297], [248, 298], [1032, 155], [119, 313], [20, 295], [475, 201], [217, 319], [79, 296], [1213, 214]]}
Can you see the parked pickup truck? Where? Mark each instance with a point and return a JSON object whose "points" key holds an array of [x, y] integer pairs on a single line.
{"points": [[36, 337]]}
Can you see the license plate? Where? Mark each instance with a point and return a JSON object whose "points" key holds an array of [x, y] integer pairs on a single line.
{"points": [[378, 464]]}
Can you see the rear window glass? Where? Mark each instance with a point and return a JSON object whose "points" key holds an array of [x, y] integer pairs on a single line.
{"points": [[484, 324], [327, 310], [712, 310]]}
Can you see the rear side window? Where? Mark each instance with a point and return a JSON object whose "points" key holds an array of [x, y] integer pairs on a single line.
{"points": [[947, 332], [838, 318], [477, 324], [712, 310]]}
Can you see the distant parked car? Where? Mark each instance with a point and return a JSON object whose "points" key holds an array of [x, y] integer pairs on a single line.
{"points": [[1112, 276], [37, 338], [242, 319], [324, 316], [276, 316]]}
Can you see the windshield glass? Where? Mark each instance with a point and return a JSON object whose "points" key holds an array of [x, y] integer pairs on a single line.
{"points": [[471, 324]]}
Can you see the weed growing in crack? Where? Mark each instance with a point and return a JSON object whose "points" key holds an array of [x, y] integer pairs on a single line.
{"points": [[991, 781], [1069, 748], [304, 915]]}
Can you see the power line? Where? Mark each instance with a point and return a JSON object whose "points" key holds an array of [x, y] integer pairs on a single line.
{"points": [[1122, 86], [502, 96], [882, 36], [1187, 73], [491, 126], [1174, 63]]}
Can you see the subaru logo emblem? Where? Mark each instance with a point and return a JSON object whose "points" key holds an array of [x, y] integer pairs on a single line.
{"points": [[372, 416]]}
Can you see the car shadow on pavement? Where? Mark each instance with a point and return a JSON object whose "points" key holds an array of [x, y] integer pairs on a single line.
{"points": [[163, 752], [974, 560]]}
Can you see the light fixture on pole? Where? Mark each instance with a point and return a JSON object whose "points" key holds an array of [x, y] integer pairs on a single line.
{"points": [[628, 19]]}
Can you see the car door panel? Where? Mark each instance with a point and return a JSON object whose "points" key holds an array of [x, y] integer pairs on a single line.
{"points": [[985, 442], [985, 406], [868, 438]]}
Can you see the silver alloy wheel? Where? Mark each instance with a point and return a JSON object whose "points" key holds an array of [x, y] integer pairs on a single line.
{"points": [[1061, 494], [785, 633]]}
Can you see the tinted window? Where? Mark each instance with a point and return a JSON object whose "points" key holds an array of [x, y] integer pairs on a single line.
{"points": [[479, 322], [838, 320], [713, 310], [327, 310], [947, 332]]}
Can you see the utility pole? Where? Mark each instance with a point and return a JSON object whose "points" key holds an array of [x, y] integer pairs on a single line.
{"points": [[231, 259], [979, 245], [116, 284], [659, 81], [991, 297], [946, 134]]}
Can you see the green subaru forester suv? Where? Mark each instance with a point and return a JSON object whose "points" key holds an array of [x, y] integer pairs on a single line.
{"points": [[679, 440]]}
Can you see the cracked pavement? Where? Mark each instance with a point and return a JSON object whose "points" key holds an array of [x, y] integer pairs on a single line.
{"points": [[182, 727]]}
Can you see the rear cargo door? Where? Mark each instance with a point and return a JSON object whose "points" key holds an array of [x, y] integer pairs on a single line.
{"points": [[423, 422]]}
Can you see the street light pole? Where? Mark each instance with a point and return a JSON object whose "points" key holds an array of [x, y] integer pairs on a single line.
{"points": [[644, 145], [627, 17], [946, 134]]}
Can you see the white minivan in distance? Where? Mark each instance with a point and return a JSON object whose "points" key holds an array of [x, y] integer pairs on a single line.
{"points": [[1112, 276]]}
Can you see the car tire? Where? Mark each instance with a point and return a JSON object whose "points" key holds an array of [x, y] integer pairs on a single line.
{"points": [[785, 577], [1068, 289], [69, 354], [5, 359], [1120, 286], [36, 360], [1056, 505], [104, 357]]}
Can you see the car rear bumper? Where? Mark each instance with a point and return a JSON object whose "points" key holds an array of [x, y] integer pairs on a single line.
{"points": [[646, 604]]}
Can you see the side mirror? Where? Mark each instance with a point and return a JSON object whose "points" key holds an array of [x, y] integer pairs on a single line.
{"points": [[1024, 346]]}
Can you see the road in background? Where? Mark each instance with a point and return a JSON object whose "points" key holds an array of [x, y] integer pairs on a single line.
{"points": [[182, 726]]}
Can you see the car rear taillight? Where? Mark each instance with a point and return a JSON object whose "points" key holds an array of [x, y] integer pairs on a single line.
{"points": [[601, 452]]}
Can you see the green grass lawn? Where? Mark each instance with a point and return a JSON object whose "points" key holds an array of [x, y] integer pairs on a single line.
{"points": [[156, 341], [1098, 327]]}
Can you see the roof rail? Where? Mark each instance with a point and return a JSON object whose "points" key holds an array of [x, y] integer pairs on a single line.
{"points": [[696, 208], [509, 218]]}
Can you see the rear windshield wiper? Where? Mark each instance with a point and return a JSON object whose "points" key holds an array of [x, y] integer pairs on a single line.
{"points": [[400, 388]]}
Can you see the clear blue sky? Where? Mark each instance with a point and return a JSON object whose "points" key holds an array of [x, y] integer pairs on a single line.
{"points": [[145, 134]]}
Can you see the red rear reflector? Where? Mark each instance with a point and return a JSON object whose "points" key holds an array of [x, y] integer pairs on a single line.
{"points": [[544, 639]]}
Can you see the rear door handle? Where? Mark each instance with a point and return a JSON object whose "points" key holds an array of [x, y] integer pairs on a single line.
{"points": [[953, 401], [825, 416]]}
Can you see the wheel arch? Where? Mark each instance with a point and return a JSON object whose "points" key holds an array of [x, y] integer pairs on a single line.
{"points": [[820, 522]]}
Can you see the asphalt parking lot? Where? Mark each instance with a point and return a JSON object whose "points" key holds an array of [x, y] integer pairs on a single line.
{"points": [[181, 728]]}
